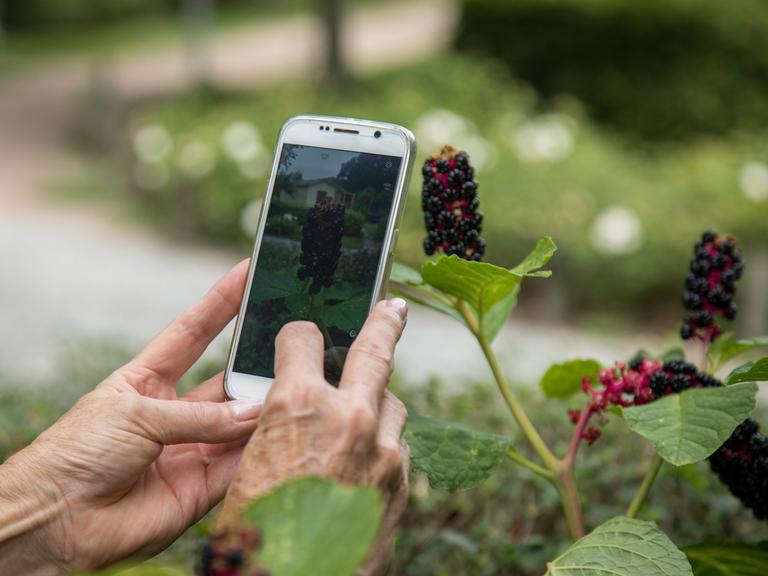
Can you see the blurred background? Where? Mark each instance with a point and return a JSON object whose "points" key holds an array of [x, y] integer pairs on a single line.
{"points": [[136, 135]]}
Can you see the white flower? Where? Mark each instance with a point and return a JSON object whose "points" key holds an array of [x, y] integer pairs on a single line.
{"points": [[242, 142], [196, 159], [438, 127], [617, 230], [253, 169], [754, 181], [482, 153], [543, 139], [150, 175], [152, 143], [249, 218]]}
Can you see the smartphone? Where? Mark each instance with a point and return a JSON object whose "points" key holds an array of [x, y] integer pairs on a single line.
{"points": [[327, 231]]}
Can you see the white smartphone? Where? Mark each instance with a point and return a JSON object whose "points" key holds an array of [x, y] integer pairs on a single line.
{"points": [[327, 231]]}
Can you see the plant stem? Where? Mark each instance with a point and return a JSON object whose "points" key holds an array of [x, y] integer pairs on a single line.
{"points": [[569, 494], [558, 473], [645, 486], [570, 457], [515, 456], [513, 403]]}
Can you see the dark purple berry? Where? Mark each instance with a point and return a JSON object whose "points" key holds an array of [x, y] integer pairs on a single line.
{"points": [[450, 203]]}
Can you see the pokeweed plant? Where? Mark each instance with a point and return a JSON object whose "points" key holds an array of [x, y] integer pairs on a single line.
{"points": [[681, 408]]}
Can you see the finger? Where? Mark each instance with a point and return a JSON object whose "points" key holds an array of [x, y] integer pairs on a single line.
{"points": [[180, 422], [220, 473], [298, 355], [369, 361], [174, 351], [393, 416], [212, 390]]}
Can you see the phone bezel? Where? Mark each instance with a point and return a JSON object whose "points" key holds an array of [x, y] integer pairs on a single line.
{"points": [[356, 136]]}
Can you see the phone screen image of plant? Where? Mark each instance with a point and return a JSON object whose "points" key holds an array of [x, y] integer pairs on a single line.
{"points": [[320, 252]]}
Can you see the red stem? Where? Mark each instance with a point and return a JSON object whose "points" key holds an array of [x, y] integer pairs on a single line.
{"points": [[586, 414]]}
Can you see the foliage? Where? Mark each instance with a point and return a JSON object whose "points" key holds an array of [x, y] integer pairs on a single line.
{"points": [[657, 69], [728, 559], [565, 380], [314, 526], [623, 547], [542, 171], [685, 412], [453, 457], [688, 427], [509, 525]]}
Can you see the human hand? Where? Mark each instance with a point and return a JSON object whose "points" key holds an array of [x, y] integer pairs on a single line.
{"points": [[131, 465], [351, 433]]}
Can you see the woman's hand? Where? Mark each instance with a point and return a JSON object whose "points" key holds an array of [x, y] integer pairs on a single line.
{"points": [[131, 465], [351, 433]]}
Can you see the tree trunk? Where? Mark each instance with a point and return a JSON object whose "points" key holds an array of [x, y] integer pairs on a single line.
{"points": [[198, 16], [336, 71], [2, 24]]}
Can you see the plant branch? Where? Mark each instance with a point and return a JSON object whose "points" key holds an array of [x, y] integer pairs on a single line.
{"points": [[556, 470], [510, 398], [569, 495], [645, 486], [515, 456], [570, 457]]}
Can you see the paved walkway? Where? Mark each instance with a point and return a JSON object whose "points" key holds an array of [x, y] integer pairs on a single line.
{"points": [[71, 271]]}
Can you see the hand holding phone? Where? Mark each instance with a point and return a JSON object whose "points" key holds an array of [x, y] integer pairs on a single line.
{"points": [[324, 245]]}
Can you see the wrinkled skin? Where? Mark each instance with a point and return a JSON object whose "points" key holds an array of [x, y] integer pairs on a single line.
{"points": [[131, 465], [351, 434]]}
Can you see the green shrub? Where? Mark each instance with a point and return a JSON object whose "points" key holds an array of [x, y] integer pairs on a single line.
{"points": [[284, 227], [657, 69], [526, 190], [354, 220]]}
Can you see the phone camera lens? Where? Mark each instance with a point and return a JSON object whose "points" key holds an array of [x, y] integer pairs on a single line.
{"points": [[377, 134]]}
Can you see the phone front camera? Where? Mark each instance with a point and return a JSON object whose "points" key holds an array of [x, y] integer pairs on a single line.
{"points": [[377, 134]]}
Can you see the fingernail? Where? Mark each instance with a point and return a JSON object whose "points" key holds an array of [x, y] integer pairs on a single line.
{"points": [[399, 305], [246, 409]]}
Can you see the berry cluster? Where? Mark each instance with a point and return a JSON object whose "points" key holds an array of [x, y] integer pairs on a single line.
{"points": [[742, 465], [450, 202], [710, 286], [640, 381], [678, 375], [321, 243], [622, 385], [231, 556]]}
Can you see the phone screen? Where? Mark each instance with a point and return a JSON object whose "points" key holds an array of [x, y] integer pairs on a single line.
{"points": [[320, 252]]}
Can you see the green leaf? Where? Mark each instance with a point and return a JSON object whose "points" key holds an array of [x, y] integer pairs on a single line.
{"points": [[495, 317], [405, 275], [687, 427], [480, 284], [453, 457], [272, 284], [622, 547], [538, 257], [490, 290], [673, 354], [749, 372], [564, 380], [424, 297], [725, 347], [347, 315], [728, 559], [314, 526]]}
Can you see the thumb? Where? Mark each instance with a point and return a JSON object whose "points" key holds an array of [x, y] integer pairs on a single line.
{"points": [[183, 422]]}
